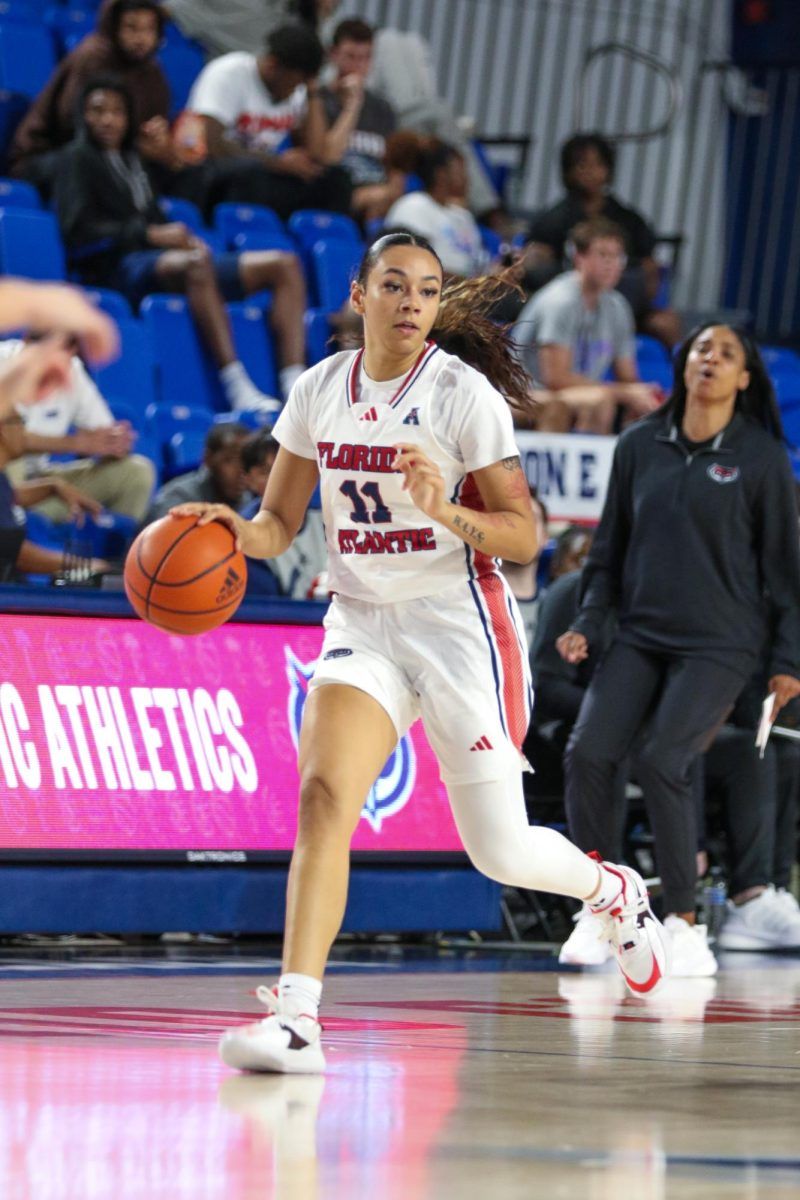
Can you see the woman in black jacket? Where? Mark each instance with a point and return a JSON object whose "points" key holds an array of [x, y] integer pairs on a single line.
{"points": [[698, 549], [117, 236]]}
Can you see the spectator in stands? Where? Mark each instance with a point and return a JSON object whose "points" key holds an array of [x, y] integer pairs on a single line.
{"points": [[20, 555], [577, 328], [587, 172], [118, 237], [76, 420], [265, 126], [439, 211], [359, 123], [295, 572], [218, 480], [125, 44]]}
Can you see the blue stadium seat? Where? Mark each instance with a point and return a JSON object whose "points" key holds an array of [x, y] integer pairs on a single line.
{"points": [[318, 332], [69, 23], [27, 58], [185, 372], [374, 228], [780, 359], [30, 244], [657, 372], [250, 420], [492, 242], [185, 452], [787, 388], [146, 443], [175, 209], [12, 109], [18, 10], [254, 343], [15, 193], [131, 378], [163, 420], [263, 239], [309, 225], [111, 302], [334, 265], [231, 219], [182, 61], [650, 350]]}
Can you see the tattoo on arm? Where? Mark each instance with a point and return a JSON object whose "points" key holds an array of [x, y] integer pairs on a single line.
{"points": [[470, 530], [512, 463]]}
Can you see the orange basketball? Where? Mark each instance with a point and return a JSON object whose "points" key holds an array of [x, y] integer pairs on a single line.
{"points": [[185, 577]]}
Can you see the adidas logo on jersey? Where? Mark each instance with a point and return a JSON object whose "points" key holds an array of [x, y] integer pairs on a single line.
{"points": [[482, 743], [370, 415], [412, 418]]}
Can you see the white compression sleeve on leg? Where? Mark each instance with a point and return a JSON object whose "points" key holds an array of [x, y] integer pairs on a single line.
{"points": [[493, 825]]}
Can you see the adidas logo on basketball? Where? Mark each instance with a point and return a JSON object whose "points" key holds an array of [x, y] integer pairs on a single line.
{"points": [[231, 586], [482, 743]]}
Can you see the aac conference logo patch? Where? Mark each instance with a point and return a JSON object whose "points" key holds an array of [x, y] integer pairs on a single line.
{"points": [[394, 785], [721, 474]]}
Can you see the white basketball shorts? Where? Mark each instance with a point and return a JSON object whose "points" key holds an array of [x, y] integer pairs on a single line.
{"points": [[457, 659]]}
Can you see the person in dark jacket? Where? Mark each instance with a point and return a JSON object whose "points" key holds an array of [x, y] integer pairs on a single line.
{"points": [[699, 525], [117, 236], [125, 43]]}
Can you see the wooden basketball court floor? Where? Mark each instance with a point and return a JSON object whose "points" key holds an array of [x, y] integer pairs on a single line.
{"points": [[451, 1074]]}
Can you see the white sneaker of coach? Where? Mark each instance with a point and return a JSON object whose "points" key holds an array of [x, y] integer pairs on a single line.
{"points": [[770, 921], [287, 1041], [691, 956], [588, 944]]}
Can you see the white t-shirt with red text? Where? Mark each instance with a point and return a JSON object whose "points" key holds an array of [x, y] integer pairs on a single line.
{"points": [[231, 90]]}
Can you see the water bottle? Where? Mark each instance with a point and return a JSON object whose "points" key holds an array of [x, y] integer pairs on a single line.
{"points": [[713, 907]]}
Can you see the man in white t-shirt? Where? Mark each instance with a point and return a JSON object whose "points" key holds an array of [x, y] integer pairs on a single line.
{"points": [[265, 125], [77, 420]]}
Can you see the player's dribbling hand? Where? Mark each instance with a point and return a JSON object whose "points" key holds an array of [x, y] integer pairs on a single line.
{"points": [[572, 646], [422, 479], [207, 513]]}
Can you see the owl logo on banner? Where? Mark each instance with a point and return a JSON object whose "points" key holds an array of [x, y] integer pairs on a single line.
{"points": [[395, 783]]}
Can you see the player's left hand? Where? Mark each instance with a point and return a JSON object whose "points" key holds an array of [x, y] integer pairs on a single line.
{"points": [[784, 689], [422, 479]]}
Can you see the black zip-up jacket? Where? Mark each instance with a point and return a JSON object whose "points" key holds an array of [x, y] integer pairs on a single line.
{"points": [[691, 544]]}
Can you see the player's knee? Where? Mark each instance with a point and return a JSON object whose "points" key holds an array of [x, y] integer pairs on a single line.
{"points": [[320, 809], [496, 861]]}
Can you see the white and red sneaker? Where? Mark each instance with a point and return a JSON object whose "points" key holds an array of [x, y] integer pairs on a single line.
{"points": [[287, 1041], [638, 940]]}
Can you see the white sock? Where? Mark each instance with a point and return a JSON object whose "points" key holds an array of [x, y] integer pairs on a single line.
{"points": [[609, 890], [288, 376], [241, 393], [303, 991]]}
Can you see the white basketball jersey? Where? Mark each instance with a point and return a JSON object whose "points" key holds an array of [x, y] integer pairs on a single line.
{"points": [[381, 547]]}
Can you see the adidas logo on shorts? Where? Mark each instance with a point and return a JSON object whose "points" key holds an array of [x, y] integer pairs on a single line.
{"points": [[482, 743]]}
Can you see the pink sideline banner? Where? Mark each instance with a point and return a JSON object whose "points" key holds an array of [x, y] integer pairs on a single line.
{"points": [[116, 736]]}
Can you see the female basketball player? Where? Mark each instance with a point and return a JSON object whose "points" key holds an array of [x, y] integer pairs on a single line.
{"points": [[697, 548], [422, 490]]}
